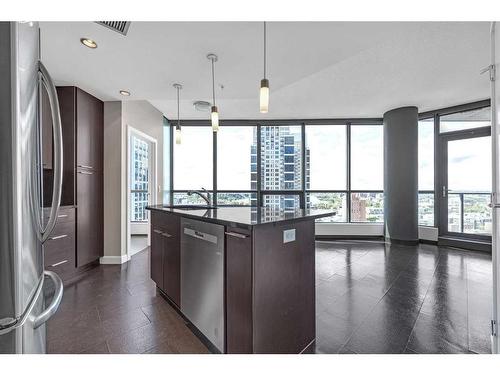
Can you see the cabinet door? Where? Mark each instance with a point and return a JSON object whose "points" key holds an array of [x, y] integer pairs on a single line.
{"points": [[239, 327], [89, 131], [89, 220], [156, 257], [172, 267]]}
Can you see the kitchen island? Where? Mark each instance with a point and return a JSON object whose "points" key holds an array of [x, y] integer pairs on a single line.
{"points": [[243, 276]]}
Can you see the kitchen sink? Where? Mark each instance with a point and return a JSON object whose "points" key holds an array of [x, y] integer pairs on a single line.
{"points": [[191, 207]]}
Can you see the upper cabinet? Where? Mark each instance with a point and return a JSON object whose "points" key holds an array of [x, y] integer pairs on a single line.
{"points": [[89, 131]]}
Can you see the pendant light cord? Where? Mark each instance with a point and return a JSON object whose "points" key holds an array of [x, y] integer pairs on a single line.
{"points": [[213, 82], [178, 111], [265, 48]]}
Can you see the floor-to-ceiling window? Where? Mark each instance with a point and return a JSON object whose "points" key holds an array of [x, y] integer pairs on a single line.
{"points": [[327, 165], [336, 166], [465, 157], [426, 172], [237, 166], [367, 173], [193, 164]]}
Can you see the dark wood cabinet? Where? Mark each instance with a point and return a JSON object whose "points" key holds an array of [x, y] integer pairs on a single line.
{"points": [[82, 118], [239, 328], [59, 249], [166, 254], [89, 131], [89, 240], [156, 256]]}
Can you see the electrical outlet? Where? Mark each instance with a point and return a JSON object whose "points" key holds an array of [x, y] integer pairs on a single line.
{"points": [[288, 235]]}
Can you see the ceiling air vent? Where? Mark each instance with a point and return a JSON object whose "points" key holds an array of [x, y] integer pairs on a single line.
{"points": [[118, 26]]}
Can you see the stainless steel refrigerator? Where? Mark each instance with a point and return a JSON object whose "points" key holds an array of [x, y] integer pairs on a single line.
{"points": [[23, 308]]}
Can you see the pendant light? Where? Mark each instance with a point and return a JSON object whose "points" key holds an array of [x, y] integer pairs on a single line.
{"points": [[214, 114], [178, 87], [264, 83]]}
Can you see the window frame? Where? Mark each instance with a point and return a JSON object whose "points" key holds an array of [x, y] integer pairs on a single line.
{"points": [[303, 191]]}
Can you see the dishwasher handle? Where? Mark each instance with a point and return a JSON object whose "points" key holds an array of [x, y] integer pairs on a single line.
{"points": [[200, 235]]}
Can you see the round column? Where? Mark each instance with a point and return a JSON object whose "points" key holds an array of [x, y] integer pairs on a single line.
{"points": [[401, 175]]}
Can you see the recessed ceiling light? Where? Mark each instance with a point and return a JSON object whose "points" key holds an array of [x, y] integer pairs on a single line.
{"points": [[88, 43], [125, 92]]}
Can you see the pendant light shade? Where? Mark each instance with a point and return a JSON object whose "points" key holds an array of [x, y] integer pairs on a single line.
{"points": [[214, 116], [178, 87], [214, 112], [264, 96], [264, 83]]}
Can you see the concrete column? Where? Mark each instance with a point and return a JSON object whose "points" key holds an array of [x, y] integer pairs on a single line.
{"points": [[401, 175]]}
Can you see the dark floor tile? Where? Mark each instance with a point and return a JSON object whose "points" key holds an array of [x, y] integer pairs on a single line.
{"points": [[101, 348], [432, 334], [352, 306], [331, 333], [123, 321]]}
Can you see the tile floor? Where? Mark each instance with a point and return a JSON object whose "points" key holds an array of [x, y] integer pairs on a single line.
{"points": [[371, 298]]}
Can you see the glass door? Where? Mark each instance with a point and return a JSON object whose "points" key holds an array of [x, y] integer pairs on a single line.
{"points": [[466, 184], [139, 179]]}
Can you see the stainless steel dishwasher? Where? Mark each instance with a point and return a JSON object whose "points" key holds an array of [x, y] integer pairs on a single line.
{"points": [[202, 278]]}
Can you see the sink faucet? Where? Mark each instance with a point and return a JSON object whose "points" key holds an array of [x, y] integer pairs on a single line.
{"points": [[199, 193]]}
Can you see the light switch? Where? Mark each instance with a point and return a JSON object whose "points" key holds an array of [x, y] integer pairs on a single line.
{"points": [[288, 235]]}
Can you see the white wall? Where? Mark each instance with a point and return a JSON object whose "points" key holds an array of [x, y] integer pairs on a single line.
{"points": [[117, 116], [367, 229]]}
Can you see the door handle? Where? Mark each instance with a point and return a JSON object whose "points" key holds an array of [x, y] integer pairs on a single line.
{"points": [[54, 304], [59, 263], [58, 149], [58, 237], [237, 235]]}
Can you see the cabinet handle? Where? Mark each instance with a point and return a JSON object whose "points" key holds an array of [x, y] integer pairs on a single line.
{"points": [[237, 235], [85, 172], [58, 237], [85, 166], [59, 263], [166, 235], [157, 231], [62, 215]]}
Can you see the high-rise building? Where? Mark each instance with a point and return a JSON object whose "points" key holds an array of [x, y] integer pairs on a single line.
{"points": [[281, 165]]}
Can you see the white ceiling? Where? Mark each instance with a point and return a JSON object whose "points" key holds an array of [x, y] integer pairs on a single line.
{"points": [[316, 69]]}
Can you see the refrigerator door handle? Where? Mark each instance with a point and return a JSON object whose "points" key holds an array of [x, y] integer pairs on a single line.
{"points": [[58, 149], [9, 324], [54, 304]]}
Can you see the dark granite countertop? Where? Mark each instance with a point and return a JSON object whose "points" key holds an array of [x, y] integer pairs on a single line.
{"points": [[244, 216]]}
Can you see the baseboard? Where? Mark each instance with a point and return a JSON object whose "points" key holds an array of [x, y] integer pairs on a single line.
{"points": [[114, 259], [324, 237], [463, 243]]}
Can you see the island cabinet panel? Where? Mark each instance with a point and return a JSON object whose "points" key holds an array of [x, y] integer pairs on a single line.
{"points": [[283, 288], [238, 291], [166, 254], [156, 256]]}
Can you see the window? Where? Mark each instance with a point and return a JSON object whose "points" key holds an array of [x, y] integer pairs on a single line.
{"points": [[236, 157], [426, 209], [329, 201], [327, 157], [367, 207], [290, 170], [465, 120], [139, 179], [237, 199], [287, 202], [193, 159], [426, 172], [367, 157], [281, 148]]}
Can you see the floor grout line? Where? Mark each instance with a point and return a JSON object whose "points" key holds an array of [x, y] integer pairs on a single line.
{"points": [[423, 301]]}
